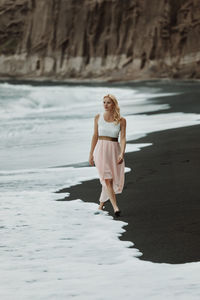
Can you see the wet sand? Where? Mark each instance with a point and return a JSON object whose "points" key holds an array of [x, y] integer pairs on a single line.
{"points": [[161, 196]]}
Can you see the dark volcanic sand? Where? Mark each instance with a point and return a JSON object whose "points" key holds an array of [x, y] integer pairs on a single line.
{"points": [[161, 196]]}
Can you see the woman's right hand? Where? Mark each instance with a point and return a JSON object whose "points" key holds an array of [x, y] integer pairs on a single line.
{"points": [[91, 160]]}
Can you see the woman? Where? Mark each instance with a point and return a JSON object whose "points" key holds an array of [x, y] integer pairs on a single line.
{"points": [[107, 153]]}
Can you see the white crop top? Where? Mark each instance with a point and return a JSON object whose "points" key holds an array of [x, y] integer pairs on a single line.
{"points": [[107, 128]]}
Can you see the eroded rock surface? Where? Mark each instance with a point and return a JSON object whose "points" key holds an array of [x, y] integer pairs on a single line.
{"points": [[110, 39]]}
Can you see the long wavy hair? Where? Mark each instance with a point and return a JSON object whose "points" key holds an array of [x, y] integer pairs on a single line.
{"points": [[116, 111]]}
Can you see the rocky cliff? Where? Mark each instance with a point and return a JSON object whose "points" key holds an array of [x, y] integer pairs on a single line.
{"points": [[109, 39]]}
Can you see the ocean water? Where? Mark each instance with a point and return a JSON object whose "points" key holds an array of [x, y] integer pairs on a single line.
{"points": [[69, 250]]}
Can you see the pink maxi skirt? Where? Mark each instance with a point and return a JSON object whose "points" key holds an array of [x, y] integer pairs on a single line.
{"points": [[105, 157]]}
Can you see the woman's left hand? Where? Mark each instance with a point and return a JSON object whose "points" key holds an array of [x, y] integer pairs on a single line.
{"points": [[120, 159]]}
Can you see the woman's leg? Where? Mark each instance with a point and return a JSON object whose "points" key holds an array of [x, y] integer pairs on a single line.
{"points": [[111, 194], [101, 205]]}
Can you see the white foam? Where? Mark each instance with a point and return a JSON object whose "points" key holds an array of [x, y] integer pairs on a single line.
{"points": [[63, 249], [25, 101], [43, 124]]}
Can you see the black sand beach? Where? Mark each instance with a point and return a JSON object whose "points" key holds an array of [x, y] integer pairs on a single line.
{"points": [[161, 198]]}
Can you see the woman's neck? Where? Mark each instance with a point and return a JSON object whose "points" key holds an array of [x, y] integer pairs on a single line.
{"points": [[109, 115]]}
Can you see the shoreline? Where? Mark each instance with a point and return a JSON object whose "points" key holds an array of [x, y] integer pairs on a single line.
{"points": [[160, 200], [45, 81]]}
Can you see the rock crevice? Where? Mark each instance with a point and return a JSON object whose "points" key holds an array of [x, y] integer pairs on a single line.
{"points": [[110, 39]]}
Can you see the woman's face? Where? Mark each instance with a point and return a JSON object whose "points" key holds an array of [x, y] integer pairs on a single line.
{"points": [[108, 104]]}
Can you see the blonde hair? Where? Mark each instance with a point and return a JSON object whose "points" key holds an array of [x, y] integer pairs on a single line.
{"points": [[116, 112]]}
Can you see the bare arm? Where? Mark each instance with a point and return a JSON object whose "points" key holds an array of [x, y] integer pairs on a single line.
{"points": [[122, 140], [123, 136], [94, 139]]}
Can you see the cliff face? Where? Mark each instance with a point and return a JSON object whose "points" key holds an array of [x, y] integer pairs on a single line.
{"points": [[110, 39]]}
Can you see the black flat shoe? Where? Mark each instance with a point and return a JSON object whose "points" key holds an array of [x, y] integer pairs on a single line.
{"points": [[117, 213]]}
